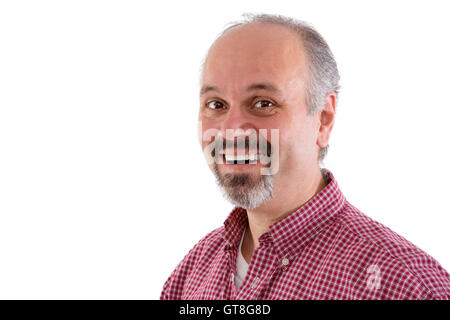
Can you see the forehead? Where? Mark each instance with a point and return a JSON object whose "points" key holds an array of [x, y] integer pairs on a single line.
{"points": [[254, 53]]}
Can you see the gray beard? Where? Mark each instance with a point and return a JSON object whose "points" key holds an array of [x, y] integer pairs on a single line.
{"points": [[242, 191]]}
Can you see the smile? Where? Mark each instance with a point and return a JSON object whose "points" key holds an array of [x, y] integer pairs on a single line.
{"points": [[241, 159]]}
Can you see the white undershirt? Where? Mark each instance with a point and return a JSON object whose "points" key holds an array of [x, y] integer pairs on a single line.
{"points": [[241, 266]]}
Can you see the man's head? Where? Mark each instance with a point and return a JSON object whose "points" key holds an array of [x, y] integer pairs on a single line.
{"points": [[274, 74]]}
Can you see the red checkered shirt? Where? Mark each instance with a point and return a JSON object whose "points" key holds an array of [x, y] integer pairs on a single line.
{"points": [[327, 249]]}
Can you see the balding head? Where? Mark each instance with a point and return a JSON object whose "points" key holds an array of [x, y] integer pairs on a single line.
{"points": [[256, 47]]}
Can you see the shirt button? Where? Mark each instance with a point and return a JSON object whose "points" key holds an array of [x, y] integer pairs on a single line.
{"points": [[232, 277], [255, 283], [285, 261]]}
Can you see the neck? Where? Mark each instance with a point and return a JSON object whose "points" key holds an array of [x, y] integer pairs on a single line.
{"points": [[287, 198]]}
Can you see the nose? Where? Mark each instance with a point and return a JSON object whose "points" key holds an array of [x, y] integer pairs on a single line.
{"points": [[237, 122]]}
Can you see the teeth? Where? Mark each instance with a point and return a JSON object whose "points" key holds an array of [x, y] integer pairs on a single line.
{"points": [[242, 158]]}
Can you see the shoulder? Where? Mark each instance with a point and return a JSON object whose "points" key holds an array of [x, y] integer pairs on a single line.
{"points": [[407, 271], [197, 257]]}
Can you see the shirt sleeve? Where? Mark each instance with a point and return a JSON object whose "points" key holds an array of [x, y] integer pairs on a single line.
{"points": [[174, 286]]}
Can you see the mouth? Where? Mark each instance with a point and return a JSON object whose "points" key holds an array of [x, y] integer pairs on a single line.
{"points": [[247, 159], [241, 159]]}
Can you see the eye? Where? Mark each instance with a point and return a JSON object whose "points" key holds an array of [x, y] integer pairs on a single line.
{"points": [[214, 104], [262, 104]]}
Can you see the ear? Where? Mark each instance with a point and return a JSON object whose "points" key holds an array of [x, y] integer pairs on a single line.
{"points": [[326, 119]]}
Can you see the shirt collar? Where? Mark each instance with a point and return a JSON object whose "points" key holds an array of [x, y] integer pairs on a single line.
{"points": [[290, 234]]}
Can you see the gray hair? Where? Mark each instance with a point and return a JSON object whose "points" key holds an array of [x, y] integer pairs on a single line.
{"points": [[323, 72]]}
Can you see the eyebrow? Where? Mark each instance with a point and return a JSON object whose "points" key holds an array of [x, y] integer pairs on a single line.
{"points": [[255, 86]]}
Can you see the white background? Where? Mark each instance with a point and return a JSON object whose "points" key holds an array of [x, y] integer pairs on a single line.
{"points": [[103, 186]]}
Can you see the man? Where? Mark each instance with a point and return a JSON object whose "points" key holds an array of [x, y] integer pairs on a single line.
{"points": [[268, 101]]}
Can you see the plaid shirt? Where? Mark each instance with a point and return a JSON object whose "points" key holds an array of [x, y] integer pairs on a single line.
{"points": [[327, 249]]}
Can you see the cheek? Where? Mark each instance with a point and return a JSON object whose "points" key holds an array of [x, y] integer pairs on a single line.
{"points": [[296, 143], [206, 131]]}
